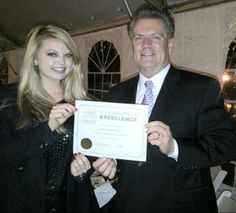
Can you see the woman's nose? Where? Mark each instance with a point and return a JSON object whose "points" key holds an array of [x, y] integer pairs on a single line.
{"points": [[61, 59]]}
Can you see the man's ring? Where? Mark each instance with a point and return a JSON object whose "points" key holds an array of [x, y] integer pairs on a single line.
{"points": [[158, 135]]}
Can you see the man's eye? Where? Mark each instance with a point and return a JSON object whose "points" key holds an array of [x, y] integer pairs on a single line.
{"points": [[52, 54], [156, 37], [138, 38]]}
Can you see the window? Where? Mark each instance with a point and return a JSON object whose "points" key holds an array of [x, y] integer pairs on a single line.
{"points": [[3, 71], [229, 81], [103, 69]]}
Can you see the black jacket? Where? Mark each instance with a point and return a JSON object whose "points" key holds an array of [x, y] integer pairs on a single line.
{"points": [[191, 105], [22, 167]]}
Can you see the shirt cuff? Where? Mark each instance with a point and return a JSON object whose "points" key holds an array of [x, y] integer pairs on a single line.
{"points": [[175, 154]]}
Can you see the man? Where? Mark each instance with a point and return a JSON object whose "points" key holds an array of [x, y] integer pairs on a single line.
{"points": [[188, 131]]}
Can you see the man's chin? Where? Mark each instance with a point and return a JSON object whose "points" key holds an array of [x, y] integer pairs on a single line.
{"points": [[149, 66]]}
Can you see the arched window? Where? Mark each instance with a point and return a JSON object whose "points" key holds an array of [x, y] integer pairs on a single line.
{"points": [[229, 80], [230, 62], [103, 69], [3, 71], [229, 93]]}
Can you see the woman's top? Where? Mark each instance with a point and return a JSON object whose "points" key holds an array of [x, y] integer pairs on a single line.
{"points": [[42, 160], [57, 164], [35, 167]]}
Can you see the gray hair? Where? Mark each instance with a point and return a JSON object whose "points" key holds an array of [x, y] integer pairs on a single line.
{"points": [[145, 11]]}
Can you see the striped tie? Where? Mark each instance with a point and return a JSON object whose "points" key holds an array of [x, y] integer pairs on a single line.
{"points": [[148, 96]]}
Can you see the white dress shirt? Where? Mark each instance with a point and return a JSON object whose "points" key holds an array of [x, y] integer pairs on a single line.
{"points": [[157, 80]]}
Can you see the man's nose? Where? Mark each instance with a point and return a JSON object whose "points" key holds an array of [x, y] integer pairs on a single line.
{"points": [[147, 40]]}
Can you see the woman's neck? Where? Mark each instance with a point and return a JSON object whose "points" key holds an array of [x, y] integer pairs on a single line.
{"points": [[57, 96], [55, 90]]}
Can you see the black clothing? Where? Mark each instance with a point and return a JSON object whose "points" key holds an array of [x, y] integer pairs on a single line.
{"points": [[35, 169], [8, 91], [191, 105]]}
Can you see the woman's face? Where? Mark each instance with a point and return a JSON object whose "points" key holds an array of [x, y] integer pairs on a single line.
{"points": [[55, 60]]}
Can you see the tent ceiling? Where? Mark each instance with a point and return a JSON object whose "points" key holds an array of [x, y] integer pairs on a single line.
{"points": [[76, 16]]}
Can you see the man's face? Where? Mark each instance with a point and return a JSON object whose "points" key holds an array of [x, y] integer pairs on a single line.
{"points": [[151, 46]]}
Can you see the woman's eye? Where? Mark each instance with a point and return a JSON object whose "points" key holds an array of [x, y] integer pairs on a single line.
{"points": [[52, 54], [69, 55]]}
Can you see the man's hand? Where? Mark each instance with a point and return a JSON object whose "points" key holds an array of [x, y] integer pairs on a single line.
{"points": [[159, 134], [106, 167]]}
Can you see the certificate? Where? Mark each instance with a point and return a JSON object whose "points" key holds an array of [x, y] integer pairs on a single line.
{"points": [[113, 130]]}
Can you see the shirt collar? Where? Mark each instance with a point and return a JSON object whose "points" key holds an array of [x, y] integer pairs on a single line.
{"points": [[157, 79]]}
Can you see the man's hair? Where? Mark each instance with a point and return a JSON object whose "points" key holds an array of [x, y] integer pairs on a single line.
{"points": [[147, 12]]}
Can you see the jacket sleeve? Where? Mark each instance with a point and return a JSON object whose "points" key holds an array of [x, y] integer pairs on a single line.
{"points": [[215, 141], [19, 146]]}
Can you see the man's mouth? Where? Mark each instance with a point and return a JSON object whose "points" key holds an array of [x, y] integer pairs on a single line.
{"points": [[147, 54]]}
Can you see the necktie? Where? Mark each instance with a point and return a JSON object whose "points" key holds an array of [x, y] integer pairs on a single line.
{"points": [[148, 96], [147, 99]]}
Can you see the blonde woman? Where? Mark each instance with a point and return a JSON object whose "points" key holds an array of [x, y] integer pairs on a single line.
{"points": [[36, 130]]}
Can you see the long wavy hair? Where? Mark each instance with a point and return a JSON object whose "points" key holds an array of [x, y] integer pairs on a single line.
{"points": [[33, 101]]}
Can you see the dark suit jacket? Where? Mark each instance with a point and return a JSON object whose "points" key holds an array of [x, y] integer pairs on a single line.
{"points": [[192, 106]]}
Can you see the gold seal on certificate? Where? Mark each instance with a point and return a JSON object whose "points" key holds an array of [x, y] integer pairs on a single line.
{"points": [[86, 143]]}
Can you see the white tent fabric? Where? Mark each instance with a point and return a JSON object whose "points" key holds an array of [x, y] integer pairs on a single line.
{"points": [[201, 42], [202, 38]]}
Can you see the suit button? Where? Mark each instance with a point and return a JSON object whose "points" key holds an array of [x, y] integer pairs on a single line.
{"points": [[140, 163], [21, 168]]}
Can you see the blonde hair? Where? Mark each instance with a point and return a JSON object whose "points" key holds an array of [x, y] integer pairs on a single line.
{"points": [[33, 101]]}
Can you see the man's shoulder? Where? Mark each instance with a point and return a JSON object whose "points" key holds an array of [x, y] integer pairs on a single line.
{"points": [[123, 91], [127, 82], [192, 75]]}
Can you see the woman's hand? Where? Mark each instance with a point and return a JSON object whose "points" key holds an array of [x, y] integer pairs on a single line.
{"points": [[80, 165], [59, 114], [106, 167]]}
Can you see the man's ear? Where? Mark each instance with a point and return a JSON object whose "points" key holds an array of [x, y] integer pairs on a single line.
{"points": [[36, 63], [170, 45]]}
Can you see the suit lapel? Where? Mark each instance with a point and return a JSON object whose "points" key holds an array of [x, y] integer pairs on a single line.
{"points": [[167, 92], [131, 92]]}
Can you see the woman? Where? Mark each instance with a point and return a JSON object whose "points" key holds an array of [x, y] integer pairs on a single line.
{"points": [[36, 130]]}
